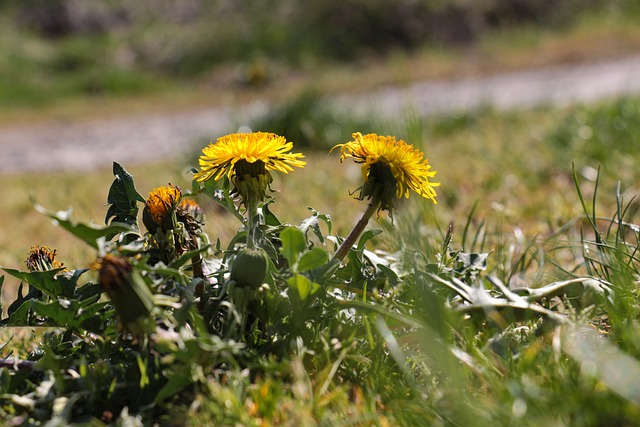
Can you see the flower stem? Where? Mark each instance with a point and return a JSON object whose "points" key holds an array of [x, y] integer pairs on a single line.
{"points": [[198, 273], [252, 211], [347, 244]]}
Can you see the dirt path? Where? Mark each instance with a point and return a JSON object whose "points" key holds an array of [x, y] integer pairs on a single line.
{"points": [[82, 146]]}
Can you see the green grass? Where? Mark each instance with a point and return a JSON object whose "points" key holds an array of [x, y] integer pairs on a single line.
{"points": [[408, 351], [516, 166], [390, 345]]}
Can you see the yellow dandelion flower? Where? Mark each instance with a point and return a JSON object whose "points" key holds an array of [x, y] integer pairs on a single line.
{"points": [[390, 169], [42, 258], [223, 158], [162, 200], [399, 166]]}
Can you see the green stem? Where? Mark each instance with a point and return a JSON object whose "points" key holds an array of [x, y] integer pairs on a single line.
{"points": [[198, 273], [252, 211], [347, 244]]}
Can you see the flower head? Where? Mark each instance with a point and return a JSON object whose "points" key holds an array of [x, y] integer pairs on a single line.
{"points": [[220, 159], [246, 159], [41, 258], [390, 168], [162, 201]]}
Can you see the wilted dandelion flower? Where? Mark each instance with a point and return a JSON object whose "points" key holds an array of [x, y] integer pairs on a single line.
{"points": [[246, 159], [42, 258], [390, 168], [191, 216], [161, 201], [192, 208]]}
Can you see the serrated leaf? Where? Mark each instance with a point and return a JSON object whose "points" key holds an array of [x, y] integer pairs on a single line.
{"points": [[90, 234], [88, 292], [44, 281], [269, 217], [123, 198], [313, 223], [20, 315], [293, 244], [69, 279], [389, 273], [66, 313], [312, 259]]}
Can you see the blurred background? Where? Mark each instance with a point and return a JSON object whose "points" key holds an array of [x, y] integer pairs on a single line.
{"points": [[58, 50], [149, 83]]}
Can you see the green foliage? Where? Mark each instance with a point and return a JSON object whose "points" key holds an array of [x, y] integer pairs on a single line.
{"points": [[59, 50], [603, 135], [456, 325], [122, 198]]}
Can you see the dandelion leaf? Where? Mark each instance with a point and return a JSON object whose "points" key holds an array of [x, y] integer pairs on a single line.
{"points": [[86, 232], [123, 198]]}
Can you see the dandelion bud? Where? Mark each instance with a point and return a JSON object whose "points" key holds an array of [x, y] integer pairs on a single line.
{"points": [[160, 206], [249, 269], [129, 293]]}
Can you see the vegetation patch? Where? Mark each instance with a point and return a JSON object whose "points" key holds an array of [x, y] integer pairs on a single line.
{"points": [[423, 320]]}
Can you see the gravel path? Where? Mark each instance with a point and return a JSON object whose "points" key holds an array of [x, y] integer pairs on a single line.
{"points": [[82, 146]]}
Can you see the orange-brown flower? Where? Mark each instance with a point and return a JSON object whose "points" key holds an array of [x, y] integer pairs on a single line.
{"points": [[163, 200], [42, 258]]}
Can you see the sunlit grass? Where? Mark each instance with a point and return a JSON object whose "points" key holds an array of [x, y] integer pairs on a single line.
{"points": [[521, 191], [514, 167]]}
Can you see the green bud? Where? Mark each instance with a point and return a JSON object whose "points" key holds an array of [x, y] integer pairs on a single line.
{"points": [[249, 269]]}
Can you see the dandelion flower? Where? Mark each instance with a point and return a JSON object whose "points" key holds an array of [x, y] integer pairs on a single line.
{"points": [[246, 159], [161, 201], [227, 155], [391, 167]]}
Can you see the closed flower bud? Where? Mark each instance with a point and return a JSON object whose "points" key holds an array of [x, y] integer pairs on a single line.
{"points": [[129, 294], [249, 269], [160, 207]]}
